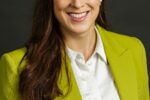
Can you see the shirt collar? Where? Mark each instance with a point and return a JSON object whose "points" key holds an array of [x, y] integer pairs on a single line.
{"points": [[99, 46], [98, 50], [72, 54]]}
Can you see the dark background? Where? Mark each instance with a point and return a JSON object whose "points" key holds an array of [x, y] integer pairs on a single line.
{"points": [[131, 17]]}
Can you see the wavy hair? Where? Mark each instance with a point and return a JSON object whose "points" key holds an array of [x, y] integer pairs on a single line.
{"points": [[38, 80]]}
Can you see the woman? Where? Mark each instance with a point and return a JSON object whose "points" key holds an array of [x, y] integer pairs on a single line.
{"points": [[72, 56]]}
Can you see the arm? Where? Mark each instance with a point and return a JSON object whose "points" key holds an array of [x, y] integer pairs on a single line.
{"points": [[143, 73], [9, 78]]}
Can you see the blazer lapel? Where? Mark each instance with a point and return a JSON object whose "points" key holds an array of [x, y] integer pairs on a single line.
{"points": [[74, 93], [121, 66]]}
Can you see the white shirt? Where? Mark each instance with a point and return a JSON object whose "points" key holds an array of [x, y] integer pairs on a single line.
{"points": [[93, 77]]}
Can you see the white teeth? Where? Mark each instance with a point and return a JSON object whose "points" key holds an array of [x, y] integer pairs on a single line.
{"points": [[75, 15]]}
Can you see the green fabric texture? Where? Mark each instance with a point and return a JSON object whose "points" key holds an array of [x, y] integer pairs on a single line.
{"points": [[126, 58]]}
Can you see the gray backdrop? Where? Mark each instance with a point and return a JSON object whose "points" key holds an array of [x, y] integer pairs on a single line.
{"points": [[131, 17]]}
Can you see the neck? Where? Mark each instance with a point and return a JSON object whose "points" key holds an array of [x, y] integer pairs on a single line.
{"points": [[83, 43]]}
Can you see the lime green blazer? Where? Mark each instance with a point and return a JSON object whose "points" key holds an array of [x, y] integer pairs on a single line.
{"points": [[126, 58]]}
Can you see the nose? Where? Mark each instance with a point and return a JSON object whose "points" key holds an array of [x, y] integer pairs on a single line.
{"points": [[77, 3]]}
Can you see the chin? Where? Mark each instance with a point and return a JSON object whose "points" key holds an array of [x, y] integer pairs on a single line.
{"points": [[81, 28]]}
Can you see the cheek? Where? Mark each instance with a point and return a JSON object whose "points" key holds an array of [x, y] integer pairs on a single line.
{"points": [[94, 3], [60, 5], [59, 10]]}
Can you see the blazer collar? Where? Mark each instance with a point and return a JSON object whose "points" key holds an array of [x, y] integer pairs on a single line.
{"points": [[121, 65], [110, 44]]}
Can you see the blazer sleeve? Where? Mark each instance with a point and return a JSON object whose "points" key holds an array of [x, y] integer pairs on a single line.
{"points": [[144, 72], [9, 78], [146, 84]]}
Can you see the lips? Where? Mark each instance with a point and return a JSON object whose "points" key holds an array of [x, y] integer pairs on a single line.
{"points": [[78, 17]]}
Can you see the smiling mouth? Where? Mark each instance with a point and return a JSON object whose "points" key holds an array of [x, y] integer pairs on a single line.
{"points": [[78, 17]]}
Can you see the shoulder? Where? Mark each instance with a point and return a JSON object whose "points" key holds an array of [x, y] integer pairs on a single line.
{"points": [[15, 55], [12, 59], [133, 44], [120, 39], [125, 40], [118, 43]]}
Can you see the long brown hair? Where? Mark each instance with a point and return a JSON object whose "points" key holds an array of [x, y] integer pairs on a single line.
{"points": [[38, 80]]}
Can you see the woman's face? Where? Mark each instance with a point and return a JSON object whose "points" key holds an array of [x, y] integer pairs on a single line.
{"points": [[76, 16]]}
